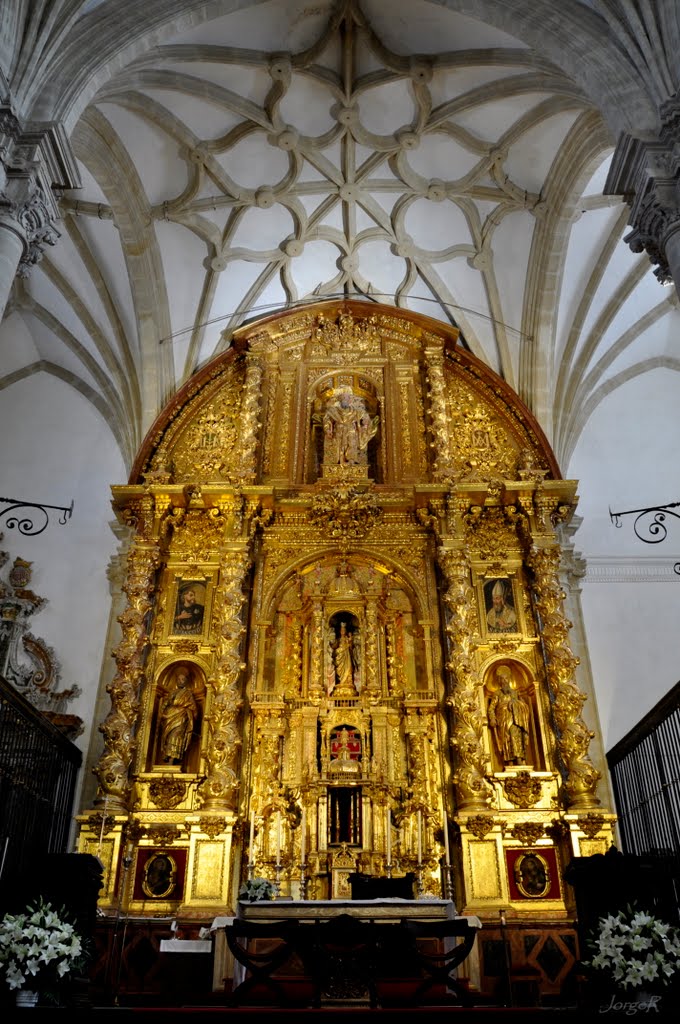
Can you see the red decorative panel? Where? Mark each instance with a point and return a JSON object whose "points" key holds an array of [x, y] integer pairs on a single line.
{"points": [[345, 744], [159, 874], [533, 874]]}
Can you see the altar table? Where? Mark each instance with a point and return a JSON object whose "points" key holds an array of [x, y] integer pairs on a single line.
{"points": [[344, 946]]}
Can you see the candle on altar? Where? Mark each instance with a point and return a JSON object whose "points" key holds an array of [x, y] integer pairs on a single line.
{"points": [[388, 835], [303, 836], [446, 842], [101, 831], [420, 838], [278, 837], [251, 838]]}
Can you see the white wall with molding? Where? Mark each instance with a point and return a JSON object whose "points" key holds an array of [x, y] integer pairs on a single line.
{"points": [[627, 458]]}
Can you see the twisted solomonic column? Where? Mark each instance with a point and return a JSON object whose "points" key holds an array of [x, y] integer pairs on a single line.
{"points": [[473, 791], [118, 729], [222, 753], [573, 736]]}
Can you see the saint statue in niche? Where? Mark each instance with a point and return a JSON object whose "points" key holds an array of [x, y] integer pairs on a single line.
{"points": [[345, 662], [345, 750], [177, 716], [510, 719], [347, 427]]}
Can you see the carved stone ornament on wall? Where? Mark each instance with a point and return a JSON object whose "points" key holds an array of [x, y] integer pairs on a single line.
{"points": [[26, 661]]}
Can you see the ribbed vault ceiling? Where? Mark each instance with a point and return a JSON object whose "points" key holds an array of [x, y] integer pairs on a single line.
{"points": [[288, 152]]}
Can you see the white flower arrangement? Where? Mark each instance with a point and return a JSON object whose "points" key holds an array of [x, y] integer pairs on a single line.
{"points": [[633, 949], [256, 889], [39, 948]]}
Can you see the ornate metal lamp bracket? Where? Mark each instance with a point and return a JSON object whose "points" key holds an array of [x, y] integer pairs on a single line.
{"points": [[650, 523], [27, 522]]}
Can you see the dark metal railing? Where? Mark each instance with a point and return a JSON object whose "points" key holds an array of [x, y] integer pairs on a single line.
{"points": [[645, 772], [38, 773]]}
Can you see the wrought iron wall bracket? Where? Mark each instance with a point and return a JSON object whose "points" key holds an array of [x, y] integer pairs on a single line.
{"points": [[19, 515], [650, 523]]}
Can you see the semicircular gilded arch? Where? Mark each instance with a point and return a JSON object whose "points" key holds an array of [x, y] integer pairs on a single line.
{"points": [[244, 418]]}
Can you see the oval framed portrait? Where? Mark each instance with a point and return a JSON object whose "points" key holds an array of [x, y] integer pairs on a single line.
{"points": [[160, 876], [532, 875]]}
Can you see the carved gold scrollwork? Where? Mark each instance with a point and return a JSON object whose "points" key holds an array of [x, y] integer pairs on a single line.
{"points": [[213, 827], [466, 737], [345, 334], [480, 825], [522, 789], [591, 824], [345, 513], [167, 793], [163, 835], [527, 832], [489, 534], [573, 735]]}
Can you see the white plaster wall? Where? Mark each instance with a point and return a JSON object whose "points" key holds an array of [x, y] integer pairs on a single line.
{"points": [[56, 447], [627, 458]]}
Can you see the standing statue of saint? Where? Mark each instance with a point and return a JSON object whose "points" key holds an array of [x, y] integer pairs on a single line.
{"points": [[344, 663], [176, 720], [348, 427], [509, 717]]}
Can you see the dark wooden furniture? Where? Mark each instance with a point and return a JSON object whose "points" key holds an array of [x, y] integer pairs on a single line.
{"points": [[345, 958], [370, 887]]}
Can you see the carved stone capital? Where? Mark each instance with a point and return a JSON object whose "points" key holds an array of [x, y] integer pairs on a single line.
{"points": [[647, 174], [36, 163]]}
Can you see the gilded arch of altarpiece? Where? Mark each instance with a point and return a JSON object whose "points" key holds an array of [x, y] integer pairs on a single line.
{"points": [[344, 646]]}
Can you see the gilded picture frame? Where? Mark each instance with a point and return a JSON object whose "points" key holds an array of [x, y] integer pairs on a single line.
{"points": [[499, 607], [189, 609], [160, 876]]}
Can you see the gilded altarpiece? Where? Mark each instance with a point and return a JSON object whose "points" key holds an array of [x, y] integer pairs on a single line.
{"points": [[344, 647]]}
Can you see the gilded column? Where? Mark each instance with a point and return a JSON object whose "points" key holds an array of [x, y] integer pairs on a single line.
{"points": [[118, 729], [573, 736], [372, 676], [316, 680], [473, 792], [219, 791], [250, 419], [441, 426], [391, 657]]}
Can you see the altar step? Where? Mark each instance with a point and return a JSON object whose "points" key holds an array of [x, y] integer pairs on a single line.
{"points": [[278, 1015]]}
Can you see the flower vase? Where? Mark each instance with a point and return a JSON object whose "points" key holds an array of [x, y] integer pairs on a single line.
{"points": [[26, 997]]}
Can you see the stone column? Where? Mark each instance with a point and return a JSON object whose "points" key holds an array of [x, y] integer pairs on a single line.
{"points": [[34, 160], [647, 174]]}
